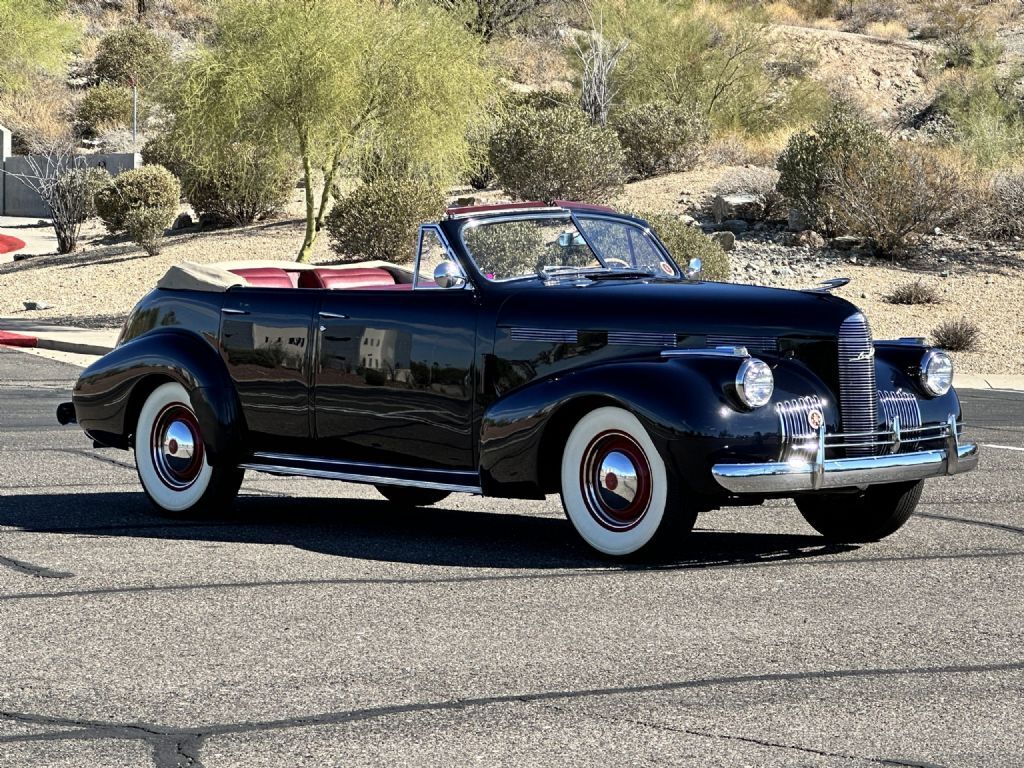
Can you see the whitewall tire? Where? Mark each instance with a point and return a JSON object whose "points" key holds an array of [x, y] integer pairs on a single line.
{"points": [[171, 459], [616, 491]]}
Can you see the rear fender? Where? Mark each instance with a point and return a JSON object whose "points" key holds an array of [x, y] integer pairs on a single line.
{"points": [[110, 392]]}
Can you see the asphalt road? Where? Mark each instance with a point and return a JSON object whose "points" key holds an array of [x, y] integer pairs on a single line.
{"points": [[314, 626]]}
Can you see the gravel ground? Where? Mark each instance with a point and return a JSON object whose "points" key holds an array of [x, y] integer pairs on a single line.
{"points": [[97, 286]]}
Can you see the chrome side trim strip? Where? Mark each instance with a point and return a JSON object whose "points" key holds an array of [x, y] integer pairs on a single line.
{"points": [[272, 458], [351, 477], [553, 335], [716, 352]]}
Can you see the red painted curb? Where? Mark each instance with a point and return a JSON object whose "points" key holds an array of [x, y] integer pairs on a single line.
{"points": [[8, 244], [16, 339]]}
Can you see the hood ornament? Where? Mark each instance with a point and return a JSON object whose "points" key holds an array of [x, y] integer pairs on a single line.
{"points": [[828, 286]]}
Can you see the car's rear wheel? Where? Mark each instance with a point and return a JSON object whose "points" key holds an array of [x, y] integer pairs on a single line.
{"points": [[870, 515], [616, 490], [404, 496], [171, 458]]}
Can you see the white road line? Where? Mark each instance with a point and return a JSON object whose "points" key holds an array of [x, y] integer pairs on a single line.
{"points": [[1004, 447]]}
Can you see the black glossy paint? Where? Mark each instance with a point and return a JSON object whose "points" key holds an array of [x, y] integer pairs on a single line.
{"points": [[487, 379]]}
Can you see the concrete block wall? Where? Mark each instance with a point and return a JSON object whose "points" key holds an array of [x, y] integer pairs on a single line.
{"points": [[16, 199]]}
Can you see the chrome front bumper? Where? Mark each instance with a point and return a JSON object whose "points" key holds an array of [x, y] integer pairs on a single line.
{"points": [[818, 473]]}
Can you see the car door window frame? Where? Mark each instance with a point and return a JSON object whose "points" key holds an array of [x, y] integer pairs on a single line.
{"points": [[416, 282]]}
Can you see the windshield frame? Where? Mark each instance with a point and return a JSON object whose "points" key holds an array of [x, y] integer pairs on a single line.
{"points": [[575, 217]]}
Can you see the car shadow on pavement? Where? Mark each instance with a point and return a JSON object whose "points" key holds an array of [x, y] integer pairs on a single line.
{"points": [[376, 530]]}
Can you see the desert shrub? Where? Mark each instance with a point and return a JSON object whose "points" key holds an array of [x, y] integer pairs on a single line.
{"points": [[556, 154], [513, 248], [891, 195], [914, 292], [763, 183], [236, 184], [986, 116], [141, 203], [685, 242], [660, 137], [1002, 215], [726, 62], [962, 31], [132, 55], [957, 335], [490, 18], [817, 9], [105, 107], [813, 159], [380, 219]]}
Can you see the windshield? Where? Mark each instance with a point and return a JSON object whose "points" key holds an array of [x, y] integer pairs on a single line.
{"points": [[511, 249]]}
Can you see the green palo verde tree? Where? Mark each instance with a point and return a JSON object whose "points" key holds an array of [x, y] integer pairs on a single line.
{"points": [[336, 82], [35, 39]]}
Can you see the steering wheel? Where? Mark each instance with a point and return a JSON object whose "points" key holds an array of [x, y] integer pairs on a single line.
{"points": [[614, 260]]}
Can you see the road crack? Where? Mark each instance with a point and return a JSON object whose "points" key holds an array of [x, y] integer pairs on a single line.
{"points": [[704, 733]]}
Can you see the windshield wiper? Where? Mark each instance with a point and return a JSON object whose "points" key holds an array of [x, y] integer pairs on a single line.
{"points": [[621, 274]]}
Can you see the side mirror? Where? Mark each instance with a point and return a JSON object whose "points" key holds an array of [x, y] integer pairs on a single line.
{"points": [[448, 275], [693, 269]]}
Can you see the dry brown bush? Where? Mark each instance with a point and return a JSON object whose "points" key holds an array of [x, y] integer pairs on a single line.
{"points": [[891, 195], [914, 292], [1001, 216], [958, 335]]}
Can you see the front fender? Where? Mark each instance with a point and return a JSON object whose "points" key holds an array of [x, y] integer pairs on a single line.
{"points": [[687, 405], [108, 392]]}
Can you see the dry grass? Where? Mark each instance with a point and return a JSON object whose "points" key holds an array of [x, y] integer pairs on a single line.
{"points": [[889, 30], [534, 62], [784, 13], [39, 113], [741, 149]]}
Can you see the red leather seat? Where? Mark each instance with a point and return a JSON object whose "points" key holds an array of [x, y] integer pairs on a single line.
{"points": [[341, 279], [267, 277]]}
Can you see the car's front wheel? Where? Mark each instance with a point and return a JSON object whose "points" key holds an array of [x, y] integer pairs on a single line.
{"points": [[171, 459], [616, 490], [869, 515]]}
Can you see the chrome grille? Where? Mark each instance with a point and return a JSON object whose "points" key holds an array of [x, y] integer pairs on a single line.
{"points": [[795, 425], [753, 343], [901, 404], [858, 398], [553, 335]]}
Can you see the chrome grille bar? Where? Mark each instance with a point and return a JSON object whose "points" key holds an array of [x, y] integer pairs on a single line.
{"points": [[858, 397], [755, 343], [901, 405]]}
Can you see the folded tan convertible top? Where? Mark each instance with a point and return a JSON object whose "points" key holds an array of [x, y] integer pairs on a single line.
{"points": [[217, 278]]}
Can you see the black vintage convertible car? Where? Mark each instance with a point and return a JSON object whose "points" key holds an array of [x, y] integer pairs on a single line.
{"points": [[532, 349]]}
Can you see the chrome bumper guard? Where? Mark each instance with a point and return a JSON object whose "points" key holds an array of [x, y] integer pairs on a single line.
{"points": [[817, 473]]}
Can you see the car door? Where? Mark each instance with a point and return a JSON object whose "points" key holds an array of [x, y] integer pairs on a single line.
{"points": [[266, 341], [395, 371]]}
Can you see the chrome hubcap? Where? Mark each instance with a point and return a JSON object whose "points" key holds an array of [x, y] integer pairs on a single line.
{"points": [[615, 479], [176, 447]]}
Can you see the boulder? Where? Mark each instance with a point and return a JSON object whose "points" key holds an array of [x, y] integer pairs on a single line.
{"points": [[796, 221], [726, 239], [845, 242], [736, 226], [184, 221], [808, 238], [744, 207]]}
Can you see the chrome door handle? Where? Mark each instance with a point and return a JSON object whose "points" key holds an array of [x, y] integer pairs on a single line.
{"points": [[334, 316], [229, 311]]}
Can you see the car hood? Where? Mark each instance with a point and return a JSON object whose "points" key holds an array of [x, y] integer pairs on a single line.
{"points": [[682, 307]]}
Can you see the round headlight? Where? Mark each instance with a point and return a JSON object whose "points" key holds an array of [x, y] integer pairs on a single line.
{"points": [[755, 383], [936, 372]]}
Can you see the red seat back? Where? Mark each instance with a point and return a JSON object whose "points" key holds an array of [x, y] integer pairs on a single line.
{"points": [[267, 277], [341, 279]]}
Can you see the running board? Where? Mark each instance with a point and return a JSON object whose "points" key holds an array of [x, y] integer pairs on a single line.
{"points": [[454, 481]]}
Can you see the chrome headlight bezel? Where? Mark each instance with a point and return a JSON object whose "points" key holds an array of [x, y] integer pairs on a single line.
{"points": [[755, 383], [936, 383]]}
